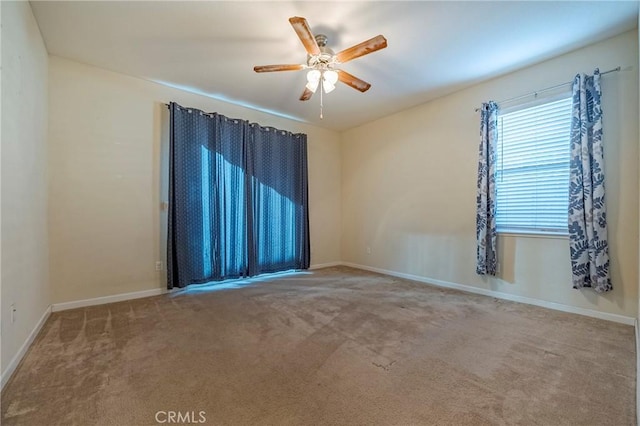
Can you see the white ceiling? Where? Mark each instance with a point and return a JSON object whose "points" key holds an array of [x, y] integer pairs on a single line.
{"points": [[434, 47]]}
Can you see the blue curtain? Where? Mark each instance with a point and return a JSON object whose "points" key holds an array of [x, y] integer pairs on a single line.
{"points": [[277, 196], [486, 259], [587, 209], [238, 199]]}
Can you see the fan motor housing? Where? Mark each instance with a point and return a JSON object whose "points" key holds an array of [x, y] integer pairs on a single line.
{"points": [[326, 58]]}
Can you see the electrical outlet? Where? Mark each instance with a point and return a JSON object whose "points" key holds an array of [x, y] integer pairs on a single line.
{"points": [[13, 313], [368, 249], [159, 265]]}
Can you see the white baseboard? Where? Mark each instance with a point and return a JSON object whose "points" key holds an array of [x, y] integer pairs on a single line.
{"points": [[106, 299], [138, 294], [324, 265], [11, 368], [506, 296], [637, 373]]}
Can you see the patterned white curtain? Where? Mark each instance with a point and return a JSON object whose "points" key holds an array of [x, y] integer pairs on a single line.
{"points": [[486, 261], [587, 210]]}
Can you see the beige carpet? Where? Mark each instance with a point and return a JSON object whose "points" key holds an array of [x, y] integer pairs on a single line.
{"points": [[332, 347]]}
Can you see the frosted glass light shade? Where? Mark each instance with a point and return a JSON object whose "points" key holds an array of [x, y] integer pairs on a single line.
{"points": [[329, 80], [313, 79], [330, 76]]}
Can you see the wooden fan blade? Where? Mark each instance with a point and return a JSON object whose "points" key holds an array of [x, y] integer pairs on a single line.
{"points": [[364, 48], [284, 67], [304, 33], [306, 95], [353, 81]]}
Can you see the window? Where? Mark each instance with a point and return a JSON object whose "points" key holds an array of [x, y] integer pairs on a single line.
{"points": [[532, 168]]}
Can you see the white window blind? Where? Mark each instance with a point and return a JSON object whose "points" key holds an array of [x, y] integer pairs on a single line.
{"points": [[532, 173]]}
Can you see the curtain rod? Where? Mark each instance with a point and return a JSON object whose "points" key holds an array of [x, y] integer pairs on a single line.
{"points": [[546, 89]]}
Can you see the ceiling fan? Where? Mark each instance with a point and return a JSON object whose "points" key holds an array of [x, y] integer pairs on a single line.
{"points": [[323, 63]]}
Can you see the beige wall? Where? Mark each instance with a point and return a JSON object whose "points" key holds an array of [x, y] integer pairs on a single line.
{"points": [[403, 185], [25, 270], [409, 187], [105, 142]]}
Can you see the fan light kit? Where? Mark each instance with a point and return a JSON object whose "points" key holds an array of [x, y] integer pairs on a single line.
{"points": [[322, 62]]}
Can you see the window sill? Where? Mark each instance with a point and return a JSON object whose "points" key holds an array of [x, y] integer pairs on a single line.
{"points": [[538, 234]]}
